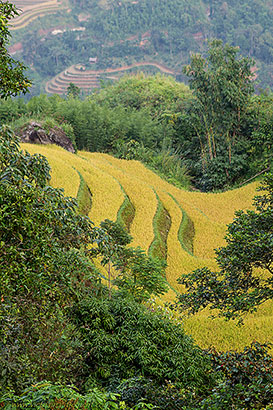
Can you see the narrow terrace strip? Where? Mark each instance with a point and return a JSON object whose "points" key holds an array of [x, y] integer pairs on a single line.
{"points": [[53, 85], [126, 212], [27, 17], [107, 195], [140, 193], [186, 230], [161, 224], [84, 197]]}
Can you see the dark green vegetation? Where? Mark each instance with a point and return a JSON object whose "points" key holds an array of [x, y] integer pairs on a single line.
{"points": [[43, 262], [161, 225], [126, 212], [186, 230], [222, 85], [46, 395], [12, 80], [121, 32]]}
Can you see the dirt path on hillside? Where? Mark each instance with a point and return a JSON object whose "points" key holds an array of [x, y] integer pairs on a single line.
{"points": [[160, 66]]}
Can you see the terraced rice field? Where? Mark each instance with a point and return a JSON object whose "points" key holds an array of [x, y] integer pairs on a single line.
{"points": [[184, 227], [32, 9], [88, 80]]}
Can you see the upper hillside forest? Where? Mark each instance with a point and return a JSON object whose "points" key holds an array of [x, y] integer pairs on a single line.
{"points": [[83, 325], [119, 33], [213, 134]]}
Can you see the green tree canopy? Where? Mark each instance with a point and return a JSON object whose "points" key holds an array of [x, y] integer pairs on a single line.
{"points": [[222, 84], [124, 339], [237, 287], [130, 269], [12, 79], [73, 91]]}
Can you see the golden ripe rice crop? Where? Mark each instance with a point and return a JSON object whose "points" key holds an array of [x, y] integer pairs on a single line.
{"points": [[141, 195], [109, 179], [63, 175], [107, 197], [106, 192]]}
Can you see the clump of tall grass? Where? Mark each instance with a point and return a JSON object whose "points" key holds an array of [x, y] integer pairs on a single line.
{"points": [[126, 212], [169, 163], [84, 197], [166, 161]]}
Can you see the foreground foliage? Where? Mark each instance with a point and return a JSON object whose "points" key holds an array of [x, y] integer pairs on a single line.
{"points": [[123, 340], [12, 79], [248, 378], [45, 395], [43, 263]]}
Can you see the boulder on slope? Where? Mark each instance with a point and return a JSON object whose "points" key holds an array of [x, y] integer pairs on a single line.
{"points": [[35, 133]]}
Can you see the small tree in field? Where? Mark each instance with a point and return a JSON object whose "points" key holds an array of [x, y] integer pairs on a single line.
{"points": [[73, 91], [130, 269]]}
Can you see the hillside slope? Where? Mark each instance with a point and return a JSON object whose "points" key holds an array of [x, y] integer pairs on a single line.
{"points": [[33, 9], [188, 225], [105, 34]]}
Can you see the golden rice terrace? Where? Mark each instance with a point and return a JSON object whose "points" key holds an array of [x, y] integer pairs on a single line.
{"points": [[180, 226]]}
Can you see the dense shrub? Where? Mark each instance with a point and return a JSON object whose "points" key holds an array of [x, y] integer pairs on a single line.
{"points": [[43, 264], [247, 381], [48, 396], [123, 339]]}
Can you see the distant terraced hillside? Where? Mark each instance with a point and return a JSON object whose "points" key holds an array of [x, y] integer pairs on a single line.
{"points": [[90, 79], [32, 9], [182, 227]]}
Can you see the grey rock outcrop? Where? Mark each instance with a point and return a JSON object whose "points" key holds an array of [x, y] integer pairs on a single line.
{"points": [[34, 133]]}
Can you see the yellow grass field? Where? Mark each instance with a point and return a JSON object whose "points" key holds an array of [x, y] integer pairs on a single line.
{"points": [[107, 177]]}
